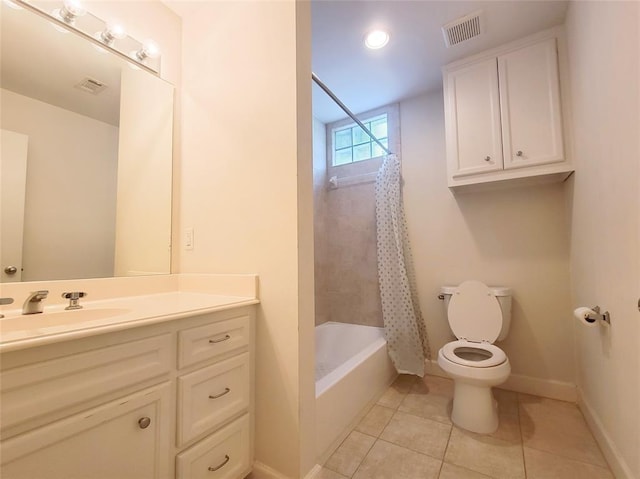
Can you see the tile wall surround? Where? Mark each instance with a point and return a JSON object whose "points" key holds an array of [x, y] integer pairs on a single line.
{"points": [[346, 265], [408, 434]]}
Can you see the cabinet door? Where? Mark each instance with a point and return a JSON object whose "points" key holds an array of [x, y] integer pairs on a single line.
{"points": [[124, 439], [530, 105], [474, 143]]}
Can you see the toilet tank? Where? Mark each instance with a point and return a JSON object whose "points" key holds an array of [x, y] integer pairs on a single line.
{"points": [[502, 294]]}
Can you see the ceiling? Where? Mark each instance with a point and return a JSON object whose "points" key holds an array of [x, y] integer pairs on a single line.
{"points": [[411, 62]]}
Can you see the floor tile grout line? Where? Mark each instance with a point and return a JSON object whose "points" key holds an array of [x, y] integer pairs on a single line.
{"points": [[555, 454], [524, 460], [444, 454], [363, 458], [468, 469], [561, 456]]}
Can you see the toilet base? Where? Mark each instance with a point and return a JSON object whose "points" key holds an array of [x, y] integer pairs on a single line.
{"points": [[474, 408]]}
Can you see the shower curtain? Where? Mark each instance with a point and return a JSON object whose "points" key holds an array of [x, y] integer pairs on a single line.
{"points": [[404, 326]]}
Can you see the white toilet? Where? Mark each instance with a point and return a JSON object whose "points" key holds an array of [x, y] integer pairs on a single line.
{"points": [[478, 315]]}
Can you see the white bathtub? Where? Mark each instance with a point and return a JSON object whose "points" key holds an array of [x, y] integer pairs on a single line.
{"points": [[352, 370]]}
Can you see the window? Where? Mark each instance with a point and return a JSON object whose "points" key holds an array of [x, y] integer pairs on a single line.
{"points": [[352, 155], [351, 143]]}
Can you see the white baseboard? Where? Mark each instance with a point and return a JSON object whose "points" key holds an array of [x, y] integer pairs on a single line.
{"points": [[313, 472], [262, 471], [548, 388], [620, 468]]}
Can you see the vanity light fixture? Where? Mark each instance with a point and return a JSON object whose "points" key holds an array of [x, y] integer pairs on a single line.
{"points": [[71, 9], [112, 36], [376, 39], [111, 33], [11, 4]]}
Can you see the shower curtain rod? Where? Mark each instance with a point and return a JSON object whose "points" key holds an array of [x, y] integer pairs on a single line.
{"points": [[326, 89]]}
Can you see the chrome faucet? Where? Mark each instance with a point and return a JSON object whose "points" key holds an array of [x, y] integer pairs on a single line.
{"points": [[33, 304], [5, 301]]}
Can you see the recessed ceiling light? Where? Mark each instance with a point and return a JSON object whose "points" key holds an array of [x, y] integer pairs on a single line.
{"points": [[376, 39]]}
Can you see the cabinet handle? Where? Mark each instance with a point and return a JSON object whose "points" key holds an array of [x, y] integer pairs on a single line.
{"points": [[213, 341], [144, 422], [216, 396], [519, 153], [487, 158], [226, 459]]}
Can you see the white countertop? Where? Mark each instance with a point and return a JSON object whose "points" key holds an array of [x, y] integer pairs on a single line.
{"points": [[18, 331]]}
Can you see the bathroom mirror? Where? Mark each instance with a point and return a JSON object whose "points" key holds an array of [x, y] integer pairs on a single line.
{"points": [[86, 157]]}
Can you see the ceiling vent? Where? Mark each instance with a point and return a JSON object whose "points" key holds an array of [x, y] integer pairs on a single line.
{"points": [[90, 85], [463, 29]]}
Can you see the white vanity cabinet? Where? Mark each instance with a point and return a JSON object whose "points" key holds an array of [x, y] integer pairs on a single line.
{"points": [[503, 114], [151, 402]]}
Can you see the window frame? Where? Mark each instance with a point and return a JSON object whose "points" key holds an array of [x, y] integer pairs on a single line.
{"points": [[371, 165]]}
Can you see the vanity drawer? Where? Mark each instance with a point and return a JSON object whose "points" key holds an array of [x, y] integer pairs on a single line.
{"points": [[211, 395], [223, 455], [211, 340], [48, 386]]}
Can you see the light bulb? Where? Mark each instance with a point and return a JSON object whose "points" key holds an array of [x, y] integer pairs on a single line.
{"points": [[71, 9], [376, 39], [111, 33], [13, 5], [148, 50]]}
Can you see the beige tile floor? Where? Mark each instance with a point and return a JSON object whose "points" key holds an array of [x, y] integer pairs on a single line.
{"points": [[408, 434]]}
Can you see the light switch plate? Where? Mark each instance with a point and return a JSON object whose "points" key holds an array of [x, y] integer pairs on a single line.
{"points": [[188, 238]]}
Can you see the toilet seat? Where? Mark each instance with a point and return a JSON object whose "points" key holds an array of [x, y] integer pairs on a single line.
{"points": [[495, 355]]}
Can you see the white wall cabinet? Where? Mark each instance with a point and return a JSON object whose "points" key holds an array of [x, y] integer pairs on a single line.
{"points": [[153, 402], [503, 114]]}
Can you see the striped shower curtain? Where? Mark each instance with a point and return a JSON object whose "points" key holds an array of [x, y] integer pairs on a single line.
{"points": [[404, 326]]}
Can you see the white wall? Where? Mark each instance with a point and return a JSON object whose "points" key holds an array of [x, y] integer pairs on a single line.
{"points": [[69, 225], [246, 144], [603, 41], [516, 237]]}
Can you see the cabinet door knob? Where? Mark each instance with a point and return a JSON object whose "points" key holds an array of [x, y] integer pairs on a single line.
{"points": [[144, 422], [487, 158], [519, 153], [215, 468]]}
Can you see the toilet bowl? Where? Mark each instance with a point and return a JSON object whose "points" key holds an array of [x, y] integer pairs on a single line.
{"points": [[478, 316]]}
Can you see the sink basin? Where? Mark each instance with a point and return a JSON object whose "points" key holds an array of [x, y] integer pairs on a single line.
{"points": [[60, 318]]}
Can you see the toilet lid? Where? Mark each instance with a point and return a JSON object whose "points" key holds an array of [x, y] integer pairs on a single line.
{"points": [[476, 355], [474, 313]]}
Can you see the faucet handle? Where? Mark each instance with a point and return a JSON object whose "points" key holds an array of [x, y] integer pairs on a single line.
{"points": [[4, 301], [73, 298]]}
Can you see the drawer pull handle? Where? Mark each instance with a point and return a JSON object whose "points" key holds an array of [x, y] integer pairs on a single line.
{"points": [[216, 396], [213, 341], [144, 422], [226, 459]]}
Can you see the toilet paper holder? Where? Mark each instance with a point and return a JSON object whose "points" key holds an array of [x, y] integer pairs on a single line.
{"points": [[595, 315]]}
